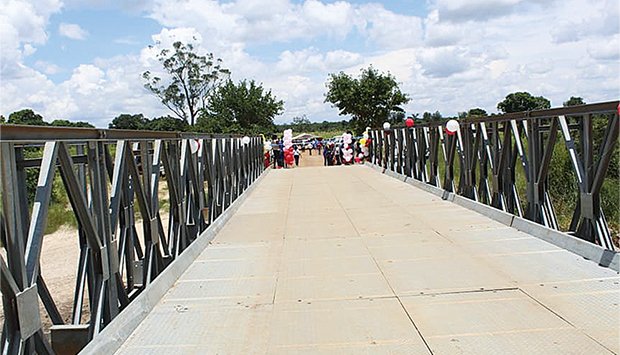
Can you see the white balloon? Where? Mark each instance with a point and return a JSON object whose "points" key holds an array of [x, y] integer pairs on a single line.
{"points": [[194, 145], [245, 140], [386, 125], [452, 126]]}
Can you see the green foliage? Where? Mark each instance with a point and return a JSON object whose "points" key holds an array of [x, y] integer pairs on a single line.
{"points": [[574, 101], [192, 79], [167, 123], [301, 123], [139, 122], [476, 112], [26, 117], [324, 129], [2, 119], [523, 101], [245, 107], [57, 216], [436, 116], [369, 100], [128, 121], [67, 123]]}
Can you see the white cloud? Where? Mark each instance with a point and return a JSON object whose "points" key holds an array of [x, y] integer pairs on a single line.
{"points": [[463, 54], [474, 10], [47, 68], [72, 31], [444, 62], [22, 28], [128, 40]]}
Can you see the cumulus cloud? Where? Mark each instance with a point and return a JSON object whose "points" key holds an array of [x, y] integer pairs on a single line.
{"points": [[474, 10], [444, 62], [47, 68], [22, 28], [463, 54], [72, 31], [599, 20]]}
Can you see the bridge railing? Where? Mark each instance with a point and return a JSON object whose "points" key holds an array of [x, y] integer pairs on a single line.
{"points": [[490, 159], [139, 198]]}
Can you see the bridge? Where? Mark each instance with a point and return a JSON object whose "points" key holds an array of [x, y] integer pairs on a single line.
{"points": [[430, 247]]}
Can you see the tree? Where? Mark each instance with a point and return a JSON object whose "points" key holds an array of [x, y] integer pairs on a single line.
{"points": [[67, 123], [167, 123], [523, 101], [369, 99], [26, 117], [192, 80], [574, 101], [476, 112], [2, 119], [127, 121], [436, 116], [244, 107], [301, 123]]}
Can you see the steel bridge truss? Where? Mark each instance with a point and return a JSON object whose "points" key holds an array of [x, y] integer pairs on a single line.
{"points": [[485, 153], [113, 180]]}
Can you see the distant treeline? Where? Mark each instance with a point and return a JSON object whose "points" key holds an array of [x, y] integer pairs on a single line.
{"points": [[30, 118], [305, 125]]}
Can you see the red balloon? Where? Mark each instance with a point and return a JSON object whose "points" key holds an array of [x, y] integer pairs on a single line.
{"points": [[449, 132], [409, 122]]}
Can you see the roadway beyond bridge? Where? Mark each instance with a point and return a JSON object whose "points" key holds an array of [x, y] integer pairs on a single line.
{"points": [[346, 260]]}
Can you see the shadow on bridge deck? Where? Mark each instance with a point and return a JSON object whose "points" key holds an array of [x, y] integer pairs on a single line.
{"points": [[346, 260]]}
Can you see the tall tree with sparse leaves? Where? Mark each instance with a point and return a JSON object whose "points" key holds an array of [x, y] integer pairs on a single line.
{"points": [[371, 99], [192, 79]]}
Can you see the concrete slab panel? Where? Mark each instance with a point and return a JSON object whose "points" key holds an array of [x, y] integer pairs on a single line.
{"points": [[326, 226], [253, 228], [334, 326], [382, 224], [499, 233], [323, 248], [259, 290], [441, 274], [547, 267], [354, 265], [546, 341], [589, 305], [405, 240], [231, 251], [332, 287], [525, 244], [469, 313], [200, 329], [231, 269]]}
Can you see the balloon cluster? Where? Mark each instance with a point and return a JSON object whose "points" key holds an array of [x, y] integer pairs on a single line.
{"points": [[347, 150], [267, 146], [288, 147], [365, 144], [266, 152]]}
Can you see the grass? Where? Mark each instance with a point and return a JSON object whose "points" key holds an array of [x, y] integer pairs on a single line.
{"points": [[59, 215]]}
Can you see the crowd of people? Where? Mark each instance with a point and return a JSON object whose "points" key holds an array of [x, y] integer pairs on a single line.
{"points": [[345, 152]]}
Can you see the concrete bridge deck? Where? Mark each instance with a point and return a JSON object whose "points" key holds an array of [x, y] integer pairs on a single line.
{"points": [[345, 260]]}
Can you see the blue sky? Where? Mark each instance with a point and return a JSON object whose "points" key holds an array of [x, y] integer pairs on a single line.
{"points": [[82, 59]]}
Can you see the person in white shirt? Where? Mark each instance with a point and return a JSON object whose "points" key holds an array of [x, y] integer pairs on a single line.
{"points": [[296, 155]]}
